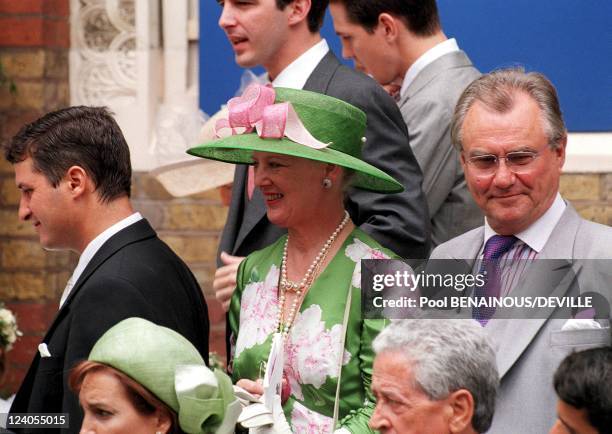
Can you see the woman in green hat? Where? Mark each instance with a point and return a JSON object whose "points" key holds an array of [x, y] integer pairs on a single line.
{"points": [[304, 289], [141, 378]]}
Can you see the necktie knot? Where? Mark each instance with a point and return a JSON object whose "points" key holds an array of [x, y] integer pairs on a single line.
{"points": [[497, 245]]}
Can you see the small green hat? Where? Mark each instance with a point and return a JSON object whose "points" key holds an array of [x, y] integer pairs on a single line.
{"points": [[329, 120], [171, 368]]}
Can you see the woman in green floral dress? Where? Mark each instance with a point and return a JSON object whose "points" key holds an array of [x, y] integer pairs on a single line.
{"points": [[305, 288]]}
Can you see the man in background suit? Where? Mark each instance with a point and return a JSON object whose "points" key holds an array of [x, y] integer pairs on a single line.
{"points": [[402, 43], [283, 37], [583, 383], [73, 169], [510, 132]]}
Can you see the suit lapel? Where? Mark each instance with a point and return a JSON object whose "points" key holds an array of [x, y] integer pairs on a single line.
{"points": [[456, 59], [254, 211], [550, 278], [473, 243], [237, 210], [133, 233], [550, 275], [322, 75]]}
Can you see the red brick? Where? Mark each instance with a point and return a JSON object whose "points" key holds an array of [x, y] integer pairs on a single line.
{"points": [[14, 120], [33, 318], [52, 8], [24, 350], [56, 33], [21, 6], [56, 8], [21, 32], [33, 32]]}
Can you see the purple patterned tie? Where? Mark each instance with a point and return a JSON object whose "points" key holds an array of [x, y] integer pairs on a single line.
{"points": [[496, 246]]}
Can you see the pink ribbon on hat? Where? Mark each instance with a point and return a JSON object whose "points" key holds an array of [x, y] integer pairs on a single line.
{"points": [[255, 110]]}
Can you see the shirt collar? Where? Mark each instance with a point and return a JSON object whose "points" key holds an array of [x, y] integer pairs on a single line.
{"points": [[298, 71], [536, 235], [95, 244], [426, 58]]}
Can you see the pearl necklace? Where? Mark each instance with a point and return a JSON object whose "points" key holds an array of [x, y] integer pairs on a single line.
{"points": [[295, 286], [299, 287]]}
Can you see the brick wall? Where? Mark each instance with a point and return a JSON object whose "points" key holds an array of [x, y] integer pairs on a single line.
{"points": [[591, 195], [34, 42]]}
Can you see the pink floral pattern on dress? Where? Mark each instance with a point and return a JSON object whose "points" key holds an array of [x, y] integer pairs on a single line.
{"points": [[305, 421], [258, 310], [357, 251], [311, 352]]}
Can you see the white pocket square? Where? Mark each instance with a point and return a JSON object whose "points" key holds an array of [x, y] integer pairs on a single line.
{"points": [[580, 324], [43, 350]]}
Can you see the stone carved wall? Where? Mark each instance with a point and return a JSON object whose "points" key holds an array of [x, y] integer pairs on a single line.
{"points": [[104, 62]]}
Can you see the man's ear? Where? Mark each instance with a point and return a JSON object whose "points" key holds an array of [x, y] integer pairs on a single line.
{"points": [[298, 11], [389, 26], [77, 180], [560, 151], [461, 403]]}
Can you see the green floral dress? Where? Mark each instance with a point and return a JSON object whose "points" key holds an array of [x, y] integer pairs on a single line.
{"points": [[312, 349]]}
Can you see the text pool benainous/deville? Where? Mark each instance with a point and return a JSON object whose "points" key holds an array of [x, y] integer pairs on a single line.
{"points": [[529, 302]]}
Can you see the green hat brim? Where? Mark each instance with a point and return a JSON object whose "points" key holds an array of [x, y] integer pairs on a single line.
{"points": [[238, 149]]}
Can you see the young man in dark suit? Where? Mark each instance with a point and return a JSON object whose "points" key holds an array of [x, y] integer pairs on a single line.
{"points": [[73, 169], [283, 37], [401, 42]]}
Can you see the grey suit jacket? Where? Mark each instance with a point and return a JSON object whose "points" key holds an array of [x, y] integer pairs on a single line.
{"points": [[529, 350], [398, 221], [427, 108]]}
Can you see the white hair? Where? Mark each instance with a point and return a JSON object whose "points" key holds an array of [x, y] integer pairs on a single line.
{"points": [[447, 355]]}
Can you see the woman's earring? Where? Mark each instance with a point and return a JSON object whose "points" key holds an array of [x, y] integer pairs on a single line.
{"points": [[327, 183]]}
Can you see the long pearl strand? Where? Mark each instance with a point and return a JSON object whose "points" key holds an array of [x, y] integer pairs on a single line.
{"points": [[298, 288], [295, 286]]}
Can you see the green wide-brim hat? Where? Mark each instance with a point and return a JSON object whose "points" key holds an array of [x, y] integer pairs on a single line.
{"points": [[329, 120], [171, 368]]}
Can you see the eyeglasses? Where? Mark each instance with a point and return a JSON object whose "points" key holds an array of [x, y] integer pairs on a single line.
{"points": [[517, 162]]}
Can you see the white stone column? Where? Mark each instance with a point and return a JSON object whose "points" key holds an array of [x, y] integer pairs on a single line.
{"points": [[115, 61]]}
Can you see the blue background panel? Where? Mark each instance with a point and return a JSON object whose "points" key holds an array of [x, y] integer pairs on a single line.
{"points": [[570, 41]]}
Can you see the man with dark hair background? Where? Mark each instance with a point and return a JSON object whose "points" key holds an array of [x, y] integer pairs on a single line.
{"points": [[73, 170], [283, 37], [401, 44], [583, 383]]}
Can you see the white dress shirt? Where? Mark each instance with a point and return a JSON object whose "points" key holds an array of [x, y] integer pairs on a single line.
{"points": [[536, 235], [530, 243], [93, 247], [298, 71], [426, 58]]}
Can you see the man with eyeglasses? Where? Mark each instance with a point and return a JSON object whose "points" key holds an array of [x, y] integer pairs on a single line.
{"points": [[510, 132]]}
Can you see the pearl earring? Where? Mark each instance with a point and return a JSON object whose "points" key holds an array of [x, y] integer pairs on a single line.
{"points": [[327, 183]]}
